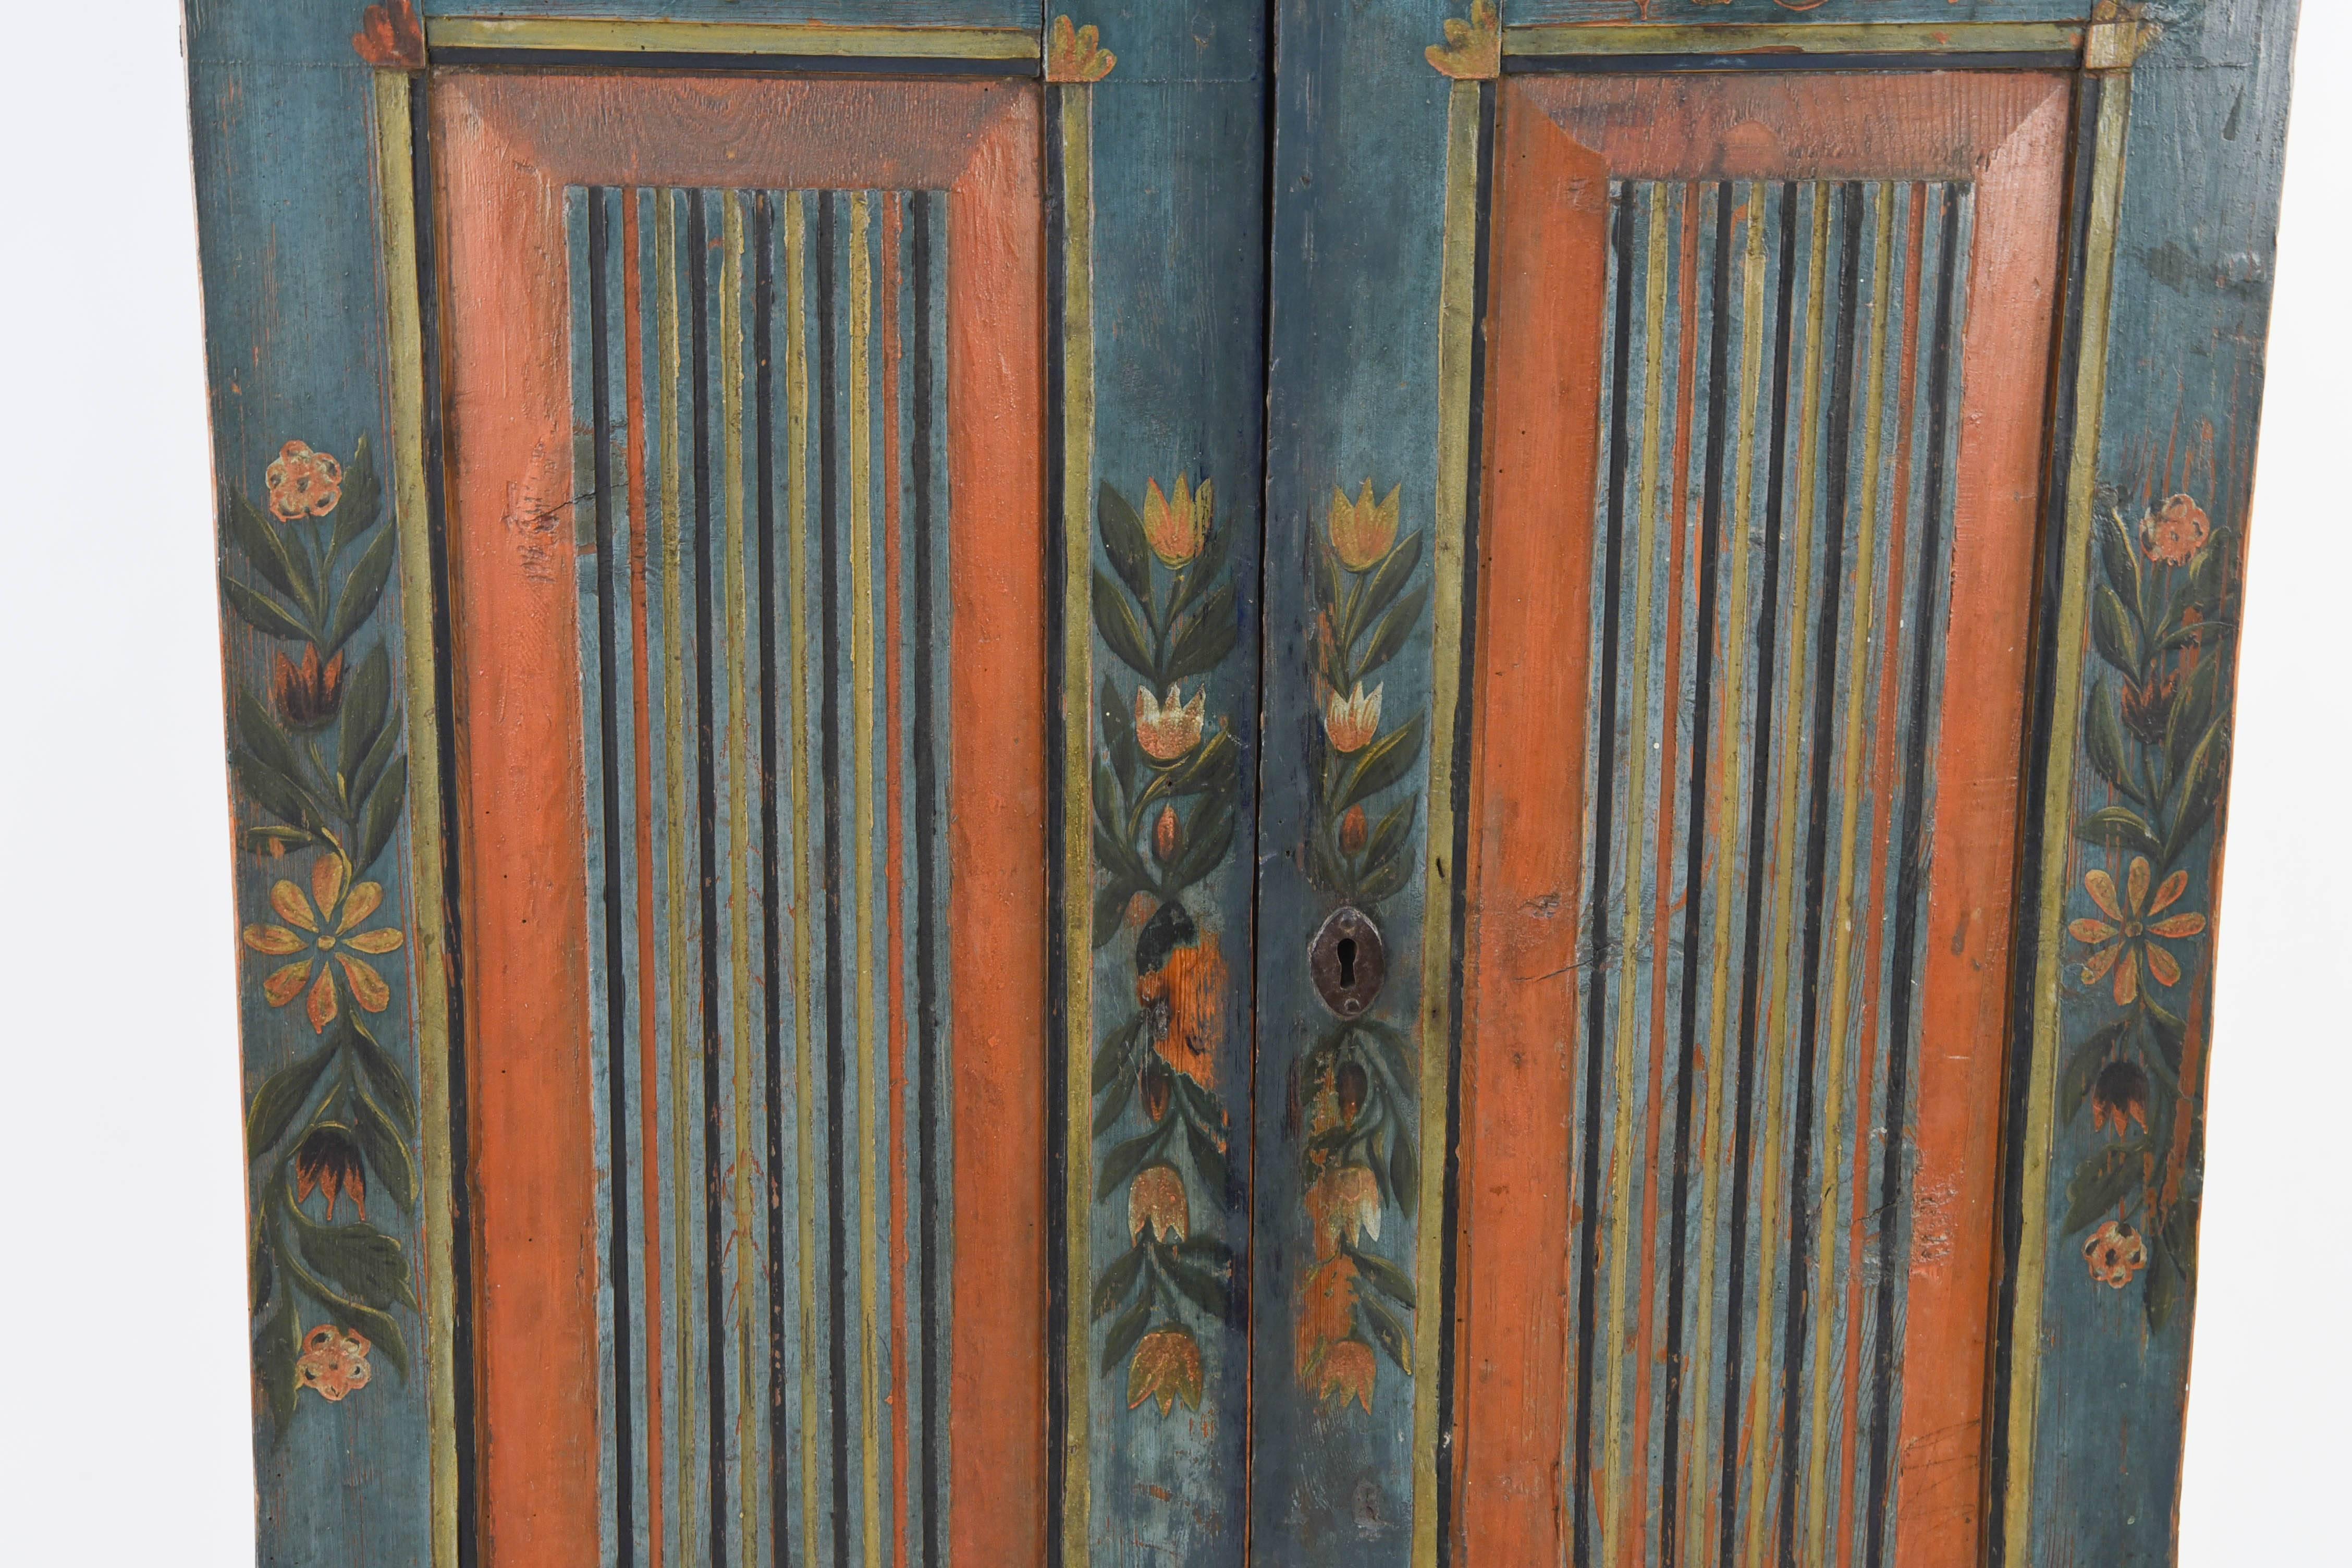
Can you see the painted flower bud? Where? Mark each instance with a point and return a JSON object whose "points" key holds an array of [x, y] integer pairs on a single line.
{"points": [[1158, 1085], [1351, 1084], [1167, 835], [1353, 832]]}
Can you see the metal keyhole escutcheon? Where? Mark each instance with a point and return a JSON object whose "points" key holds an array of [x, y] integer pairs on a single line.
{"points": [[1347, 962]]}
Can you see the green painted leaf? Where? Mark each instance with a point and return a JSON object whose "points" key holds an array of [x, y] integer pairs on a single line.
{"points": [[1207, 838], [279, 1098], [1208, 635], [268, 766], [1118, 733], [360, 591], [1124, 1161], [2199, 785], [1117, 1280], [1383, 763], [1124, 541], [2172, 1034], [2082, 1067], [384, 1081], [2116, 554], [1112, 1095], [1404, 1170], [256, 536], [1122, 633], [1120, 860], [1389, 579], [1207, 1159], [360, 506], [1125, 1335], [264, 613], [380, 815], [2118, 826], [2113, 634], [1388, 836], [1395, 629], [383, 1332], [2192, 714], [366, 1262], [277, 1345], [383, 1145], [2103, 738], [1383, 882], [1383, 1276], [2165, 1282], [1213, 767], [367, 705], [370, 771], [1110, 911], [1387, 1332], [1203, 1288], [2100, 1182], [1115, 1057]]}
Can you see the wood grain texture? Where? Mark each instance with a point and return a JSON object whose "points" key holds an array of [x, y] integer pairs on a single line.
{"points": [[535, 1318]]}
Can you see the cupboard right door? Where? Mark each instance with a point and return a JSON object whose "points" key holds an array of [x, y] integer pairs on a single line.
{"points": [[1769, 356]]}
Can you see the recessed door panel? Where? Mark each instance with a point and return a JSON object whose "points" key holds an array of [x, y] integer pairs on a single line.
{"points": [[746, 503], [1768, 367]]}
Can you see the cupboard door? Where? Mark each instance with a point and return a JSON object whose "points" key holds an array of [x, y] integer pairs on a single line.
{"points": [[1827, 469]]}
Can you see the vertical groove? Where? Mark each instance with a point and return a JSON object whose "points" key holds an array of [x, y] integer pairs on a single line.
{"points": [[861, 675], [894, 871]]}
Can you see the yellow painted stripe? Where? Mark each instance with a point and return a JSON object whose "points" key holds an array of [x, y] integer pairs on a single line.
{"points": [[1736, 655], [2058, 807], [1077, 845], [1790, 755], [670, 35], [739, 820], [796, 443], [1457, 304], [1785, 38], [1625, 1047], [682, 1184], [428, 936], [1885, 289], [861, 686]]}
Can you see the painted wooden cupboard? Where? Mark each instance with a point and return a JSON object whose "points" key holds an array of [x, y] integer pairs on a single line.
{"points": [[1278, 782]]}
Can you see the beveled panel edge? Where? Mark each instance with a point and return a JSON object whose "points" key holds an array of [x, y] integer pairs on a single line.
{"points": [[676, 35]]}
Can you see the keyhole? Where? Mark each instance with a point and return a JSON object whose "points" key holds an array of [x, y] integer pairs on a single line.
{"points": [[1347, 962]]}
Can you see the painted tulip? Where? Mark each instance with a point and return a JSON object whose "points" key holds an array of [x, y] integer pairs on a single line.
{"points": [[1157, 1202], [1345, 1203], [328, 1161], [1363, 530], [1350, 1373], [1352, 720], [1167, 1368], [1168, 728], [1177, 526], [310, 693], [2117, 1094], [1327, 1312]]}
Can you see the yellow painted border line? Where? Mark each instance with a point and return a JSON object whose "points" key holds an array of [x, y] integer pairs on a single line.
{"points": [[1457, 323], [1078, 416], [428, 933], [674, 35], [2097, 284], [1780, 38]]}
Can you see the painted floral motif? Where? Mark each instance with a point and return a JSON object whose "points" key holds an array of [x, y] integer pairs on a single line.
{"points": [[2156, 733], [390, 37], [1075, 54], [321, 773], [2115, 1253], [1355, 1092], [1166, 788], [333, 1361], [321, 925], [1473, 50]]}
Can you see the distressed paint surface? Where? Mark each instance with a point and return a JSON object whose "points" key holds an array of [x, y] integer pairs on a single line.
{"points": [[2183, 386], [851, 13], [1159, 1333], [296, 345], [1820, 13]]}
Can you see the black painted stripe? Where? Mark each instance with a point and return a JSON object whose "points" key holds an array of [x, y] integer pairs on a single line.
{"points": [[616, 983], [1596, 1008], [1910, 894], [698, 259], [1796, 1323], [832, 672], [771, 897], [1694, 846], [924, 706], [1758, 824]]}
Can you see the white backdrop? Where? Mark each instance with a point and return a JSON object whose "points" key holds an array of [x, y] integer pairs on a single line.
{"points": [[123, 1401]]}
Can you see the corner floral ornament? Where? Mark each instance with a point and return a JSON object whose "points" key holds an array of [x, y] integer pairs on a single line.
{"points": [[1473, 50], [1075, 54]]}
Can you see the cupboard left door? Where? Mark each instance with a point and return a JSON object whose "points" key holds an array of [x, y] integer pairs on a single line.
{"points": [[751, 772]]}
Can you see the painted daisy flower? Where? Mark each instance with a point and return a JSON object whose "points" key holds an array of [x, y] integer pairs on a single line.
{"points": [[2121, 943], [320, 927]]}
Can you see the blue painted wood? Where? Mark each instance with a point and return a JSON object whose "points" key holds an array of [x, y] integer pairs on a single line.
{"points": [[282, 115], [854, 13], [1179, 147], [1523, 13]]}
